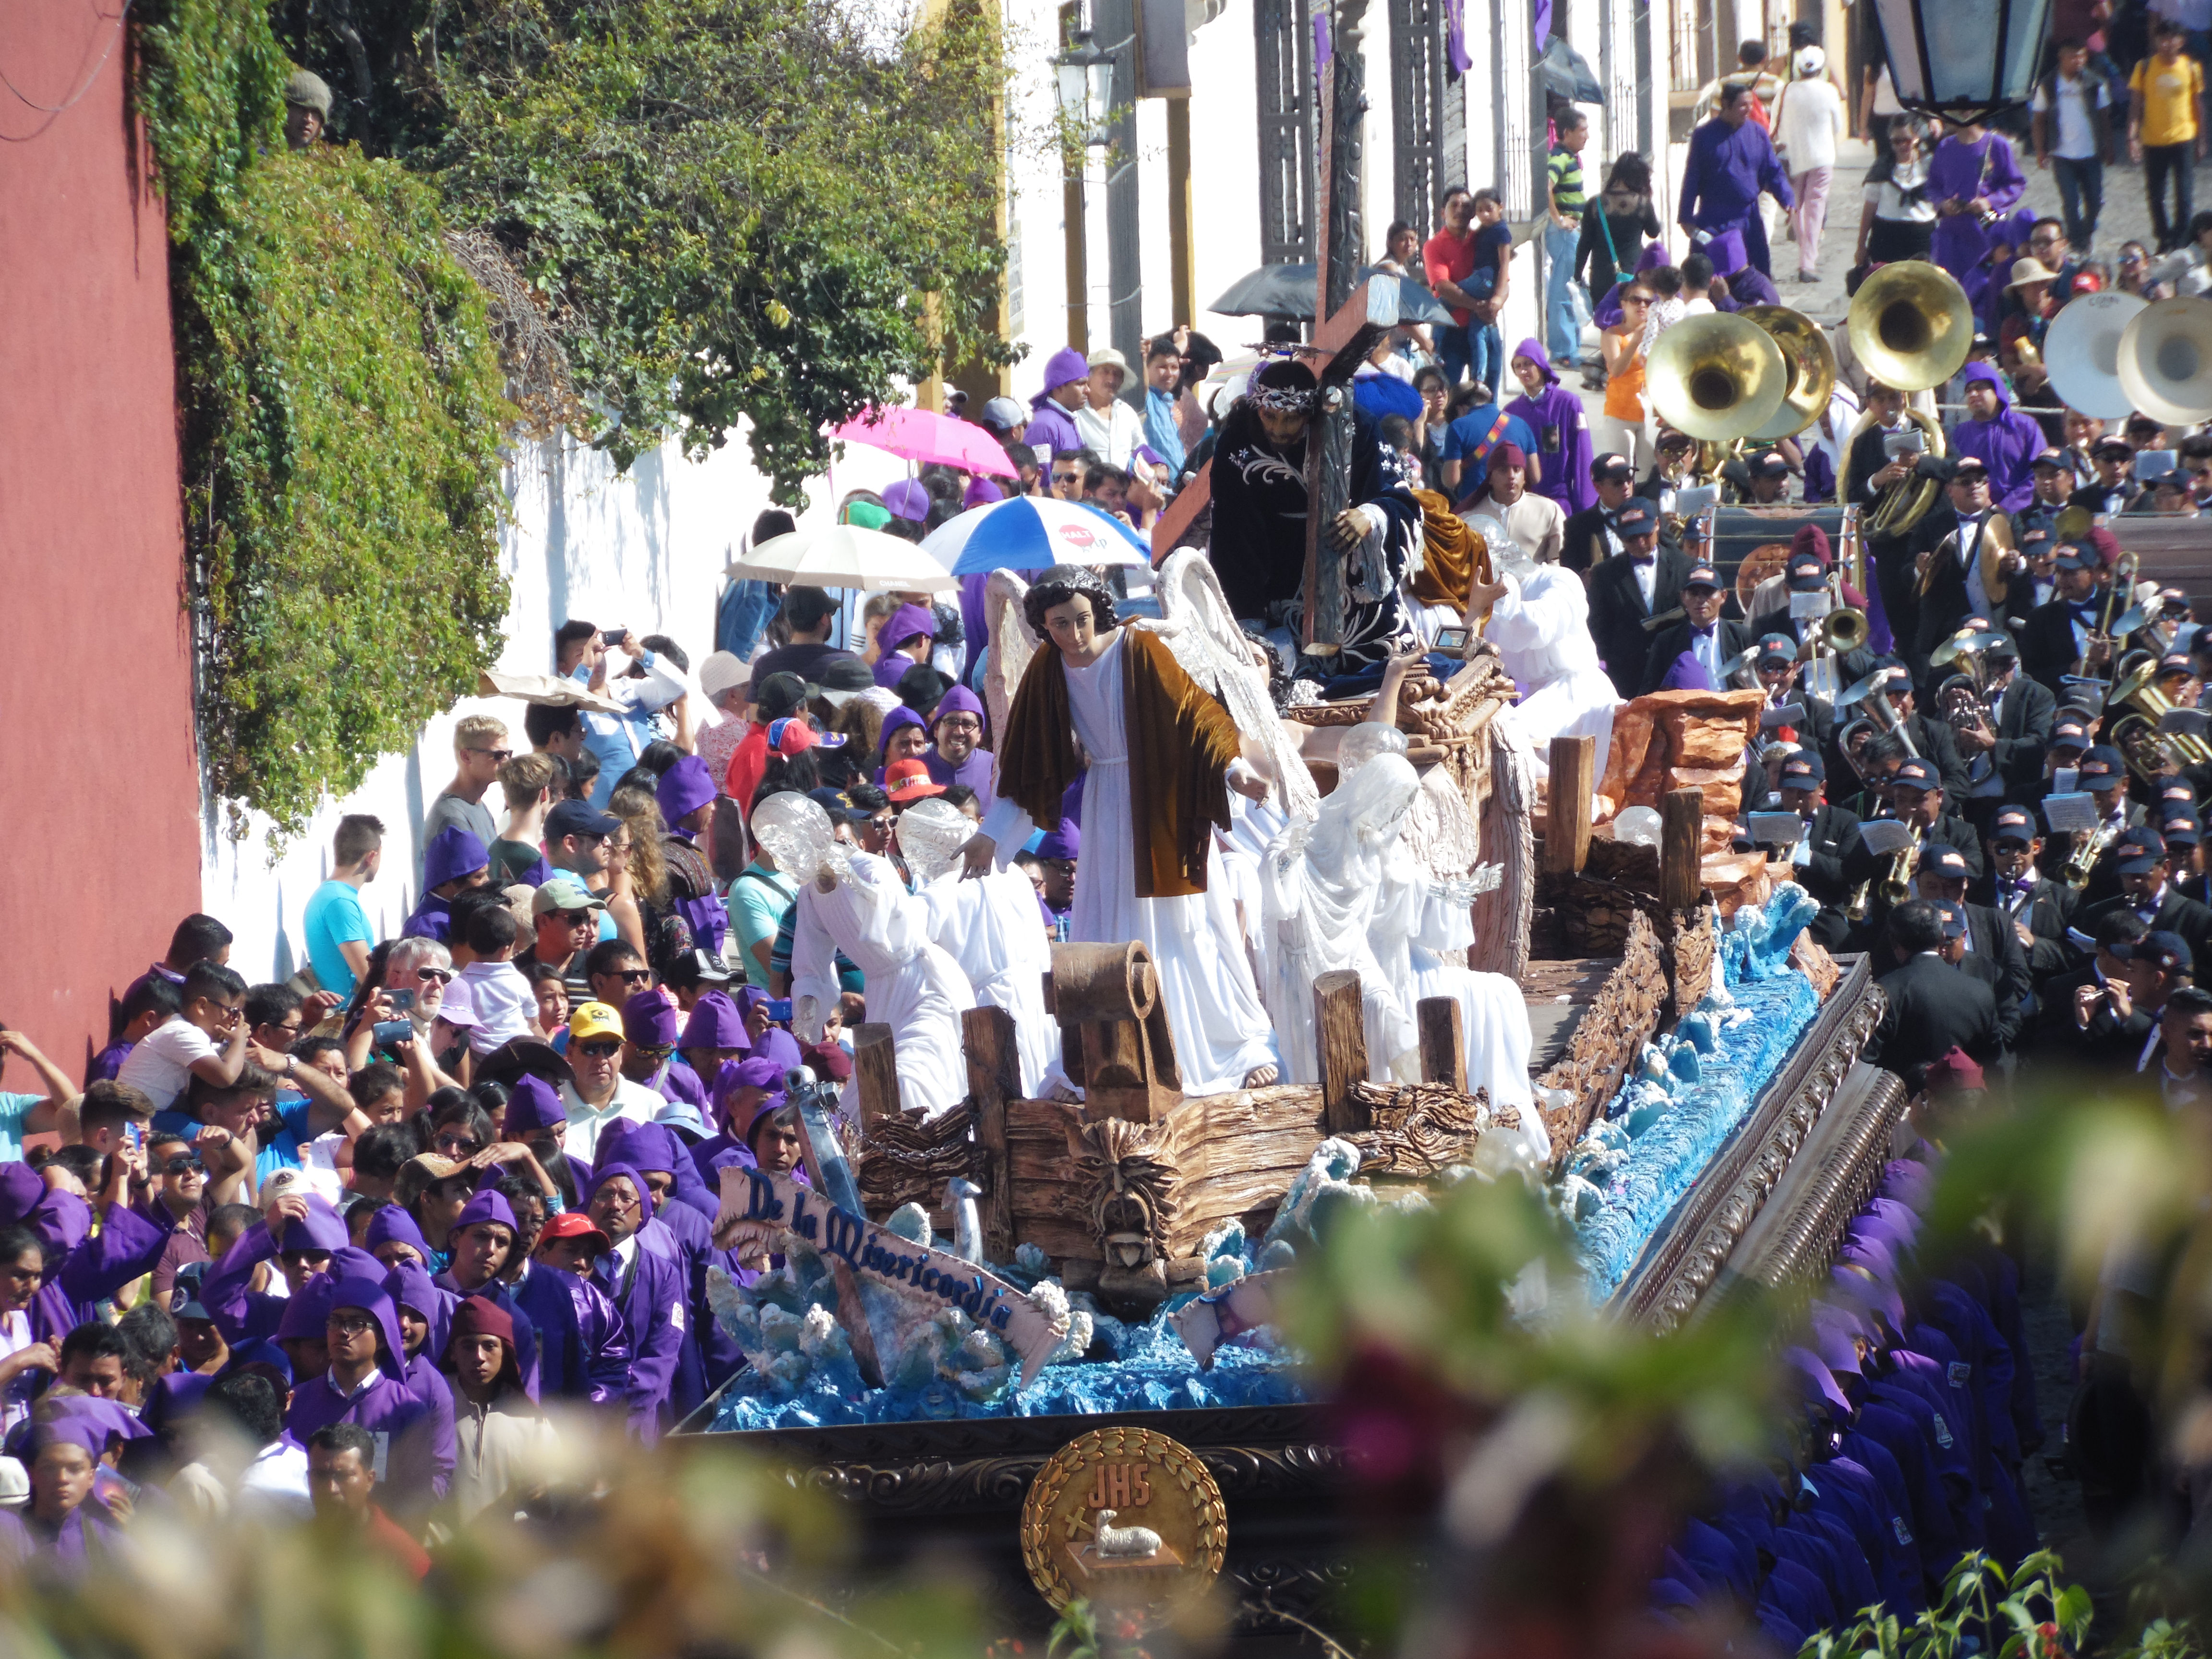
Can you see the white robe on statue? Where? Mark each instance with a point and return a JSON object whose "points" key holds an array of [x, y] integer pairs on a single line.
{"points": [[1213, 1008], [992, 928], [912, 985], [1540, 626], [1411, 924]]}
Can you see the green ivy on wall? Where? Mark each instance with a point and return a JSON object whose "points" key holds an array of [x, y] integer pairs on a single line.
{"points": [[342, 410]]}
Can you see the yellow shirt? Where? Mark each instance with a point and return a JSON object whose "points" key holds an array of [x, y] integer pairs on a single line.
{"points": [[2169, 92]]}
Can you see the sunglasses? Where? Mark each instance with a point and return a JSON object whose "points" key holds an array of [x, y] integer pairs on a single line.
{"points": [[599, 1050], [633, 976], [176, 1166], [434, 975], [465, 1145], [502, 755]]}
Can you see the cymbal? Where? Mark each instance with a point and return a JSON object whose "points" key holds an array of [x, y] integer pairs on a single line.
{"points": [[1865, 688]]}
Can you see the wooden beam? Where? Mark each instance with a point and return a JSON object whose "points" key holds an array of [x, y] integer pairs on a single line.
{"points": [[1567, 810], [994, 1077], [875, 1065], [1179, 513], [1182, 261], [1681, 849], [1341, 1034], [1444, 1042]]}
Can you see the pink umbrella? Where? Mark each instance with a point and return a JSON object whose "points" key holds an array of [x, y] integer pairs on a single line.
{"points": [[920, 434]]}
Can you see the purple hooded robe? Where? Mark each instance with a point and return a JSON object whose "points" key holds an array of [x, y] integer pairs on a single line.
{"points": [[1563, 440]]}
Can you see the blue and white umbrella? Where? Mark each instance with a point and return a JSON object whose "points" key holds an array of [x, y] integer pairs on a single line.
{"points": [[1032, 532]]}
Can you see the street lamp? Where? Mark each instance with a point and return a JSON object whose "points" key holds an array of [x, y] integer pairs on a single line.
{"points": [[1963, 60], [1085, 87]]}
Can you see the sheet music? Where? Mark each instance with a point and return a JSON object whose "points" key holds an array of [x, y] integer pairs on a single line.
{"points": [[1885, 836], [2076, 812]]}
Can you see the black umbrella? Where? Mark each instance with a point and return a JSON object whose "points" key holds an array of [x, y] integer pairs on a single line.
{"points": [[1566, 74], [1288, 291], [520, 1057]]}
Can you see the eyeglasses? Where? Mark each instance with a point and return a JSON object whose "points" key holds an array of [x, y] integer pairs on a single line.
{"points": [[631, 976], [616, 1201], [654, 1050], [176, 1166], [291, 1029], [342, 1324], [2048, 239], [502, 755], [599, 1050], [962, 723], [459, 1145], [1636, 299], [434, 975]]}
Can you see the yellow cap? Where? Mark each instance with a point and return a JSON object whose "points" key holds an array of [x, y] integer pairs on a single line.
{"points": [[593, 1019]]}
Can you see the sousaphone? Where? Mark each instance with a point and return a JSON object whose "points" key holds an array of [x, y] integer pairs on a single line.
{"points": [[2165, 361], [1809, 362], [2082, 350], [1716, 377], [1911, 324]]}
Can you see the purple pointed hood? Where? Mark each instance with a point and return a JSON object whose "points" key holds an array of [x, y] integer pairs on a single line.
{"points": [[489, 1205], [1909, 1182], [453, 853], [898, 717], [684, 788], [715, 1022], [607, 1172], [532, 1104], [650, 1021], [21, 1189], [372, 1298], [1064, 365], [1532, 349], [392, 1225], [321, 1229], [758, 1072], [958, 701], [307, 1312], [410, 1286], [1806, 1369], [1987, 374]]}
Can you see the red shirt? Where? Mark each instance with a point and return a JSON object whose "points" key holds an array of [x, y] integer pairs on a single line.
{"points": [[1449, 258], [746, 765], [385, 1534]]}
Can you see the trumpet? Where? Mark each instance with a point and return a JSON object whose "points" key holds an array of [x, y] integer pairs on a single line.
{"points": [[2083, 858], [1897, 886], [2124, 582]]}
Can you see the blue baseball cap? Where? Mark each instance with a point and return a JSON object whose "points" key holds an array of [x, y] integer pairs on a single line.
{"points": [[1947, 862], [2139, 849], [2013, 823], [1636, 517], [2168, 952], [2101, 765], [1803, 770]]}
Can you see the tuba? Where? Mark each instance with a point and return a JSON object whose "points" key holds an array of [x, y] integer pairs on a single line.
{"points": [[2135, 734], [1911, 325], [1808, 363], [1905, 503], [1717, 378]]}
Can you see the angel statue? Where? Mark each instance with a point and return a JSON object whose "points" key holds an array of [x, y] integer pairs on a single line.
{"points": [[990, 928], [856, 903], [1539, 620], [1162, 756]]}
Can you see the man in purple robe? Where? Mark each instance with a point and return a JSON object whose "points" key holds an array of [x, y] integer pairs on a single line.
{"points": [[365, 1385], [302, 1231], [2007, 440], [1052, 421], [1971, 173], [956, 730], [1556, 416], [686, 798], [652, 1027], [1731, 160], [902, 640], [647, 1288]]}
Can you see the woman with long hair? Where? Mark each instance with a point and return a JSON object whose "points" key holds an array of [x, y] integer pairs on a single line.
{"points": [[1618, 221], [1620, 429], [637, 876]]}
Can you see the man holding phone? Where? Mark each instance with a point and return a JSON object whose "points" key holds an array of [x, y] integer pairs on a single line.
{"points": [[643, 688]]}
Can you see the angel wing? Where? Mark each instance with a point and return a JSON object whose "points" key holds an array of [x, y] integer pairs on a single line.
{"points": [[1200, 629], [1012, 642], [1441, 831]]}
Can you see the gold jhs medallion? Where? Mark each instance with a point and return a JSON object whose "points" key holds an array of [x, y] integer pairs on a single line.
{"points": [[1125, 1517]]}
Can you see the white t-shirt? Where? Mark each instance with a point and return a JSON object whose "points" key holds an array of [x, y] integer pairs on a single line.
{"points": [[161, 1065], [500, 999], [1807, 124], [2077, 136]]}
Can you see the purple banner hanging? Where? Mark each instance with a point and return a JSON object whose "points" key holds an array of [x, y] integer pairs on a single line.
{"points": [[1455, 52], [1324, 43], [1543, 22]]}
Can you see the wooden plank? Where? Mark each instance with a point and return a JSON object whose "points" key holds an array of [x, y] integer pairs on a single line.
{"points": [[875, 1065], [1444, 1042], [1177, 515], [1681, 842], [1340, 1033], [994, 1077], [1567, 808]]}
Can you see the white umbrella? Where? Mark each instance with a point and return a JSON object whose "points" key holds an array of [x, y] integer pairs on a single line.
{"points": [[1033, 533], [844, 556]]}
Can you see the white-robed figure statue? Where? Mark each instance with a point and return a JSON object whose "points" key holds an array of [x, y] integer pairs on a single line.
{"points": [[991, 928], [856, 903], [1539, 620], [1161, 757]]}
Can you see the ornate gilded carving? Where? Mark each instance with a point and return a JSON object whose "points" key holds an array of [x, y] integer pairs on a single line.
{"points": [[1126, 1517], [1612, 1033]]}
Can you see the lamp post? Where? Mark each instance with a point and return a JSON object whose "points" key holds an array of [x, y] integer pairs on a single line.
{"points": [[1084, 72], [1096, 88], [1963, 60]]}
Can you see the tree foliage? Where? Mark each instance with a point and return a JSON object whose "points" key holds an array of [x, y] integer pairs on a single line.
{"points": [[729, 209], [342, 412]]}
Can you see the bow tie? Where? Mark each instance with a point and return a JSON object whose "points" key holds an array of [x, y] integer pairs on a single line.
{"points": [[1643, 564], [2021, 884], [1700, 633]]}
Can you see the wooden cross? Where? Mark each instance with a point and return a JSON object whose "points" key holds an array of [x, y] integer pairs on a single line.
{"points": [[1370, 313]]}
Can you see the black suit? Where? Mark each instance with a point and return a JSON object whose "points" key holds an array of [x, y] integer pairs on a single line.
{"points": [[2048, 651], [1833, 847], [2047, 907], [1945, 603], [1671, 643], [2023, 731], [2177, 913], [1992, 944], [1584, 543], [1851, 668], [1617, 613], [1934, 742], [1933, 1009]]}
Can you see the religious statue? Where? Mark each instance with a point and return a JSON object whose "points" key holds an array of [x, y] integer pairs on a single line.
{"points": [[856, 903], [1260, 508], [1539, 620], [1162, 756], [990, 927]]}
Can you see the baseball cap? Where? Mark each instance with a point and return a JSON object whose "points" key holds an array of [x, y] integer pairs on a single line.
{"points": [[2102, 764], [2070, 734], [1703, 576], [576, 817], [1003, 415], [1966, 463], [1612, 467], [562, 893], [1636, 517], [2072, 558], [696, 967], [837, 803], [909, 780], [1806, 574], [2178, 790], [795, 735], [780, 694], [573, 1223], [1954, 920], [2013, 823], [2176, 662], [2167, 952], [593, 1019], [2118, 446], [1776, 651], [1772, 464], [2182, 832], [2139, 849], [1916, 775], [1947, 862], [2053, 457], [1803, 770]]}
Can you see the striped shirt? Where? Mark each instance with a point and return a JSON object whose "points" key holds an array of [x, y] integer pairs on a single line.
{"points": [[1566, 171]]}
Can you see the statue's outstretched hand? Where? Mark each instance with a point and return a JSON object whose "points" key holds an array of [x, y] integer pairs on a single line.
{"points": [[975, 857]]}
